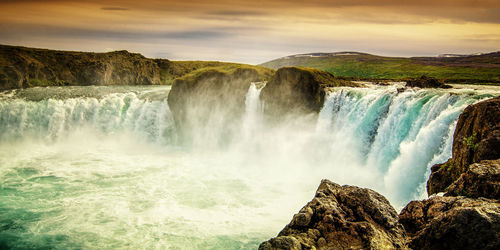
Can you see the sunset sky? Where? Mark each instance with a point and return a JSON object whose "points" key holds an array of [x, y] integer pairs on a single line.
{"points": [[253, 31]]}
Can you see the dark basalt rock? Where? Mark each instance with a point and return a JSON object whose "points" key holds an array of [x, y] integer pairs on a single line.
{"points": [[452, 223], [342, 217], [294, 90], [426, 82], [476, 138]]}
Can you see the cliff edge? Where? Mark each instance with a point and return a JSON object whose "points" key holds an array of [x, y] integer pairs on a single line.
{"points": [[295, 90]]}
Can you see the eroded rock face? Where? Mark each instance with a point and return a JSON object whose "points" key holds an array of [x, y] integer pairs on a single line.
{"points": [[294, 90], [452, 223], [342, 217], [476, 138]]}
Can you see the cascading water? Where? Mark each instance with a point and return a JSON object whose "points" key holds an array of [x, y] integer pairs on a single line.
{"points": [[83, 169], [252, 111], [397, 137]]}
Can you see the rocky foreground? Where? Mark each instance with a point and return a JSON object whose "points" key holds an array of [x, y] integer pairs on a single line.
{"points": [[466, 215]]}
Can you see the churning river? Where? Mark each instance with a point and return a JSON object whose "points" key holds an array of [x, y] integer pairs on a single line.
{"points": [[100, 167]]}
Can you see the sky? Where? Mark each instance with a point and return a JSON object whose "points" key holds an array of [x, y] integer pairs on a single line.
{"points": [[253, 31]]}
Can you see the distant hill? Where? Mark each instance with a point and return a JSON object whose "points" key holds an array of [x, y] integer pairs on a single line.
{"points": [[478, 68], [22, 67]]}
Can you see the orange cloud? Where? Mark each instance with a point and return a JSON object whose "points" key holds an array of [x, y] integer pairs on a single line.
{"points": [[253, 31]]}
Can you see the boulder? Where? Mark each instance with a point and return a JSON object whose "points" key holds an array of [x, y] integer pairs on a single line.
{"points": [[295, 90], [342, 217], [476, 138], [452, 223]]}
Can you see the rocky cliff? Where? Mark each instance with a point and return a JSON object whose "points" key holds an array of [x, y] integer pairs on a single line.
{"points": [[26, 67], [294, 90], [22, 67], [476, 138]]}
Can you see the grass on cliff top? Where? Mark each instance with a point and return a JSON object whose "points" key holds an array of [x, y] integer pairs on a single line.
{"points": [[171, 70], [227, 68], [376, 67]]}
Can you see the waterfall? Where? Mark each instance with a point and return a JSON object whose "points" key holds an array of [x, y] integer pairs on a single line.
{"points": [[51, 119], [100, 167], [253, 110], [397, 136]]}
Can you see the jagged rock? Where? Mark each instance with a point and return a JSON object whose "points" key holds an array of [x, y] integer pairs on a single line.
{"points": [[476, 138], [294, 90], [342, 217], [480, 180], [452, 223], [426, 82], [212, 98]]}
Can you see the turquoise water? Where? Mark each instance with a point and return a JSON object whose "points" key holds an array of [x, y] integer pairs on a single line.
{"points": [[100, 167]]}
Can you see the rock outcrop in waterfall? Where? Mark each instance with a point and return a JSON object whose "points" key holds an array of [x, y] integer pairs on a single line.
{"points": [[212, 98], [294, 90], [426, 82], [207, 97]]}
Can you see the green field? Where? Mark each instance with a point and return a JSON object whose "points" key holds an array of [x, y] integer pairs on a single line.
{"points": [[482, 69]]}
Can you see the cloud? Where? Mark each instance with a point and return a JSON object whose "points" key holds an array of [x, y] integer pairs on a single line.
{"points": [[88, 33], [482, 11], [197, 34], [114, 8], [241, 30], [235, 13]]}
